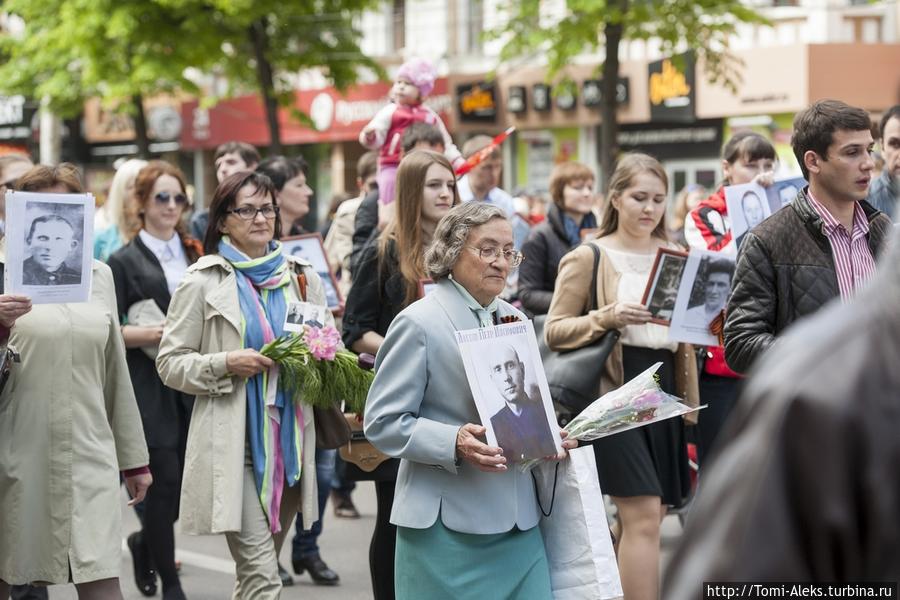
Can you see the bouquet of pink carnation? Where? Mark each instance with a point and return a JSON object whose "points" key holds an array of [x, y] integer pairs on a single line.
{"points": [[313, 366], [637, 403]]}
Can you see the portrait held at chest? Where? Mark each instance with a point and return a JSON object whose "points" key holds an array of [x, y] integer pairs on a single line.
{"points": [[702, 295], [510, 389], [662, 286], [49, 244]]}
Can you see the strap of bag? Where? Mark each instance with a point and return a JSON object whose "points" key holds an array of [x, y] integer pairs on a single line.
{"points": [[301, 281], [594, 301], [537, 494]]}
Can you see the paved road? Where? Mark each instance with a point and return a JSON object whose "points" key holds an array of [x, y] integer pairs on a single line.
{"points": [[208, 572]]}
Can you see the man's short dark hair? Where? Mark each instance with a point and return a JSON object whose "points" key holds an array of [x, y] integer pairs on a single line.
{"points": [[248, 153], [420, 132], [814, 128], [891, 113], [719, 266], [47, 219]]}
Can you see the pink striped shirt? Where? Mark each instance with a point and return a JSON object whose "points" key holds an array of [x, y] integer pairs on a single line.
{"points": [[853, 261]]}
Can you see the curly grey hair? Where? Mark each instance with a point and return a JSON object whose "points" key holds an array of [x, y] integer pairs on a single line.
{"points": [[451, 235]]}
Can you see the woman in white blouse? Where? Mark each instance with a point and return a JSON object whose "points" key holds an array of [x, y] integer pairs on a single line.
{"points": [[146, 272], [645, 470]]}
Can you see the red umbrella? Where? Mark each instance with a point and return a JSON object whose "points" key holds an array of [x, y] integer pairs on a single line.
{"points": [[477, 158]]}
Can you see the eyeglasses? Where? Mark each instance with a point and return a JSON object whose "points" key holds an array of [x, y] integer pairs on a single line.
{"points": [[513, 257], [248, 213], [166, 197]]}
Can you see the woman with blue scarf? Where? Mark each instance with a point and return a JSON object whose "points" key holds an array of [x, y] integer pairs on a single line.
{"points": [[250, 458], [570, 214]]}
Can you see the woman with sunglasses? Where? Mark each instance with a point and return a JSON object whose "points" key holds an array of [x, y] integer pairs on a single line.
{"points": [[250, 458], [146, 272]]}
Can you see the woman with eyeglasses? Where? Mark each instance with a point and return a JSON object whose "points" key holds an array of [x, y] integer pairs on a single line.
{"points": [[146, 272], [250, 459], [466, 516], [386, 282]]}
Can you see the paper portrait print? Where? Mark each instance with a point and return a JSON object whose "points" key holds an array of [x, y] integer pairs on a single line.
{"points": [[662, 285], [49, 246], [702, 296], [507, 379], [300, 314], [309, 247], [783, 192], [748, 206]]}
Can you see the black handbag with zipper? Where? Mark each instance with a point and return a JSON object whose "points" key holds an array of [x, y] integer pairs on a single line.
{"points": [[573, 376]]}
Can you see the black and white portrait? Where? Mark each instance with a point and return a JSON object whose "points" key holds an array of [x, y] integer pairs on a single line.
{"points": [[49, 246], [309, 248], [510, 390], [784, 191], [301, 314], [748, 206], [702, 297], [662, 286]]}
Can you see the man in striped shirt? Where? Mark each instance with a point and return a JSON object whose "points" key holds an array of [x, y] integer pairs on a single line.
{"points": [[823, 246]]}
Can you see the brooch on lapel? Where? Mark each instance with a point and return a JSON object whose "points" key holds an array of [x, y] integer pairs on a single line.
{"points": [[509, 319]]}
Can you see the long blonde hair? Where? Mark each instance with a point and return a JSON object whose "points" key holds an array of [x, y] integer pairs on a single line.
{"points": [[405, 229], [117, 212], [627, 169]]}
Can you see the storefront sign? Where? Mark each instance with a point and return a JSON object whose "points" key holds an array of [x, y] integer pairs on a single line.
{"points": [[701, 139], [540, 97], [336, 116], [592, 91], [517, 101], [477, 102], [15, 117], [566, 100], [103, 125], [671, 89]]}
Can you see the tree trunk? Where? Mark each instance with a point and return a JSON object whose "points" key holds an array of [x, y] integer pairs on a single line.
{"points": [[140, 127], [260, 40], [609, 128]]}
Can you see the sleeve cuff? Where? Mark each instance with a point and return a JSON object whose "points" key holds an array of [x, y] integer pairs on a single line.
{"points": [[136, 471]]}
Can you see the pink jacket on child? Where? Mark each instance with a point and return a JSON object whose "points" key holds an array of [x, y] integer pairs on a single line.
{"points": [[391, 121]]}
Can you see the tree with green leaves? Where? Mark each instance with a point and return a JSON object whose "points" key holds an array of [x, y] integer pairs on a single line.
{"points": [[703, 27], [122, 51], [266, 43], [117, 50]]}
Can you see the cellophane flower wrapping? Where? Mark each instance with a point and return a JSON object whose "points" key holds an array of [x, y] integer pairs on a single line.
{"points": [[639, 401], [314, 368]]}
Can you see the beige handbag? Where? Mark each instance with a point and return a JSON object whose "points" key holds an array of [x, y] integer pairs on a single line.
{"points": [[360, 451]]}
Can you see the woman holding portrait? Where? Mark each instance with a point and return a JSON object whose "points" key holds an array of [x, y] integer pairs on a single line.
{"points": [[69, 426], [149, 268], [645, 470], [386, 282], [466, 519], [250, 457]]}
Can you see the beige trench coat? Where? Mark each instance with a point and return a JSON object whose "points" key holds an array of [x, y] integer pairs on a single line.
{"points": [[68, 424], [202, 326]]}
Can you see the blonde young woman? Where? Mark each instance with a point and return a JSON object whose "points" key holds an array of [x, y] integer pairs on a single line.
{"points": [[115, 223], [645, 470], [387, 281]]}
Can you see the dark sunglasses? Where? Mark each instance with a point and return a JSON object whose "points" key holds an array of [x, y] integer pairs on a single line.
{"points": [[166, 197]]}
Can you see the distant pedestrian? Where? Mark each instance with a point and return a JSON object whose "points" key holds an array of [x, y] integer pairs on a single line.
{"points": [[884, 193], [230, 158]]}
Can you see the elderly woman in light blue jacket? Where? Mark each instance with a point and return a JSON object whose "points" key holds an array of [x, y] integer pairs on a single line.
{"points": [[466, 519]]}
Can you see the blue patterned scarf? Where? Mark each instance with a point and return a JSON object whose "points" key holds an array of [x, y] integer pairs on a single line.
{"points": [[275, 423], [573, 229]]}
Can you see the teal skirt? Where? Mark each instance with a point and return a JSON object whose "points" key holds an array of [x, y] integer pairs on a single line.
{"points": [[437, 563]]}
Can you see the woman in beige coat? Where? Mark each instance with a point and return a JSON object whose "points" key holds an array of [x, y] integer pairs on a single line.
{"points": [[645, 470], [209, 349], [69, 425]]}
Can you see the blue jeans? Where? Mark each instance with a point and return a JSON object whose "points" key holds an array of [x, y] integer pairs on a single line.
{"points": [[339, 483], [305, 542]]}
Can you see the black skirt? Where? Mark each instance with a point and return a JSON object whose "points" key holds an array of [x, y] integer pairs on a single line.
{"points": [[650, 460]]}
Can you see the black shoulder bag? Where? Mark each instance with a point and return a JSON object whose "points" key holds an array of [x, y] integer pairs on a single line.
{"points": [[574, 375]]}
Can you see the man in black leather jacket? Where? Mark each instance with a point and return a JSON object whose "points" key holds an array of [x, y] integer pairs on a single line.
{"points": [[808, 488], [786, 265]]}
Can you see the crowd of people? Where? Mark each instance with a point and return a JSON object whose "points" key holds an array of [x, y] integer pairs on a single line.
{"points": [[158, 381]]}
